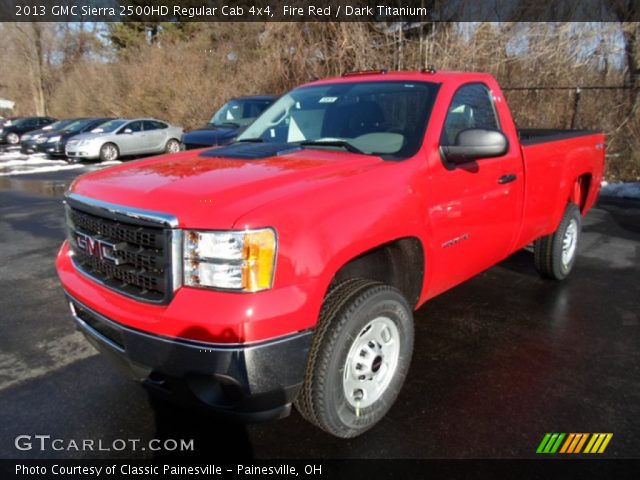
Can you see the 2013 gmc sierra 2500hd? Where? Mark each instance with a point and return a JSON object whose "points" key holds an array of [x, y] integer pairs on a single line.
{"points": [[284, 268]]}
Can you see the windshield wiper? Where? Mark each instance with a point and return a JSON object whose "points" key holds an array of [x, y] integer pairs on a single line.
{"points": [[251, 140], [332, 143]]}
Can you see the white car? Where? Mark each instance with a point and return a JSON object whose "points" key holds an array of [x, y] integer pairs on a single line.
{"points": [[122, 137]]}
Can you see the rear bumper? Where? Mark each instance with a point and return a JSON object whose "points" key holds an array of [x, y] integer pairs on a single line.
{"points": [[254, 382]]}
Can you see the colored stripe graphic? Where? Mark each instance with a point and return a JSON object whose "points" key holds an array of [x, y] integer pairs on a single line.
{"points": [[598, 442], [577, 438], [555, 447], [550, 443], [574, 443], [581, 443], [567, 443], [544, 441]]}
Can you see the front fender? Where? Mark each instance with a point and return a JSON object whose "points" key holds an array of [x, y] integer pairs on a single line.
{"points": [[322, 229]]}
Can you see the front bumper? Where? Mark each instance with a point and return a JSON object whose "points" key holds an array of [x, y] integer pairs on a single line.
{"points": [[90, 151], [55, 149], [28, 147], [254, 382]]}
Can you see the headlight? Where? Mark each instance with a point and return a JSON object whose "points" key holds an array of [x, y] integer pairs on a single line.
{"points": [[23, 137], [234, 260], [54, 139], [83, 142]]}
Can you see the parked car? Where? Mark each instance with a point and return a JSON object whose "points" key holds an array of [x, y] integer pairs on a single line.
{"points": [[8, 121], [295, 256], [11, 134], [54, 143], [28, 140], [234, 116], [122, 137]]}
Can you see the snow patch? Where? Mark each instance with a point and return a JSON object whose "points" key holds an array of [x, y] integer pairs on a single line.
{"points": [[42, 170], [27, 162], [16, 163]]}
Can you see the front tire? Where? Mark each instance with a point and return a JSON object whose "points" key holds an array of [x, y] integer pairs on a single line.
{"points": [[555, 254], [109, 152], [359, 358]]}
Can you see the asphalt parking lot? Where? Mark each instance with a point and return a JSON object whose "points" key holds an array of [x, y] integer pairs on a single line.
{"points": [[499, 360]]}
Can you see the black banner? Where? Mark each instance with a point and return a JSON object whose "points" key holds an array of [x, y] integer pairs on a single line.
{"points": [[409, 11], [318, 469]]}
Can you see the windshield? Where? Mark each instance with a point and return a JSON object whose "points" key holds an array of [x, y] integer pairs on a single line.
{"points": [[58, 125], [109, 126], [377, 118], [239, 113], [26, 122], [77, 125]]}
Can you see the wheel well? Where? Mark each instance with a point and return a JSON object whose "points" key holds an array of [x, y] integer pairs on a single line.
{"points": [[399, 263], [581, 190]]}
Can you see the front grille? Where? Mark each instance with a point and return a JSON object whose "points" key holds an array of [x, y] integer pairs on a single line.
{"points": [[132, 259]]}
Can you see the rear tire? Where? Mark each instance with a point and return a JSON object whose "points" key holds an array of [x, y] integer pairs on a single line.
{"points": [[359, 357], [555, 254], [109, 152], [13, 138], [172, 146]]}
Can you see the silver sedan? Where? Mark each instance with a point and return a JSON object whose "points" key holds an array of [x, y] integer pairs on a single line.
{"points": [[121, 137]]}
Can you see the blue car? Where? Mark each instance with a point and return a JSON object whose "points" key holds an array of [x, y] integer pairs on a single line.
{"points": [[228, 122]]}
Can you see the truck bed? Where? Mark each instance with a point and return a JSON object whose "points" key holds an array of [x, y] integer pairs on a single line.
{"points": [[533, 136]]}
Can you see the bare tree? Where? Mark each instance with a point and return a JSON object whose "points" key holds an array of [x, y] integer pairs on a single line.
{"points": [[30, 41], [627, 11]]}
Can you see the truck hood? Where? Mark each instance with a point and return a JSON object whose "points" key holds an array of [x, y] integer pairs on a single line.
{"points": [[213, 192]]}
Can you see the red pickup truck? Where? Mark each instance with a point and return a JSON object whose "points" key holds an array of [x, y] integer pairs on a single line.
{"points": [[284, 268]]}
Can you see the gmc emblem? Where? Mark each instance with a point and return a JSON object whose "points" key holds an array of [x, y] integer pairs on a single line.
{"points": [[97, 248]]}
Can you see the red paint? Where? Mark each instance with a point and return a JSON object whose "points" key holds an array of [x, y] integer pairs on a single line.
{"points": [[331, 206]]}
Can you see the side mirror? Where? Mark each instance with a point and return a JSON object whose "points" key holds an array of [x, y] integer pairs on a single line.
{"points": [[127, 131], [474, 143]]}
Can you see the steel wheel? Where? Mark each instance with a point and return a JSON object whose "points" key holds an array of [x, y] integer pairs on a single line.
{"points": [[371, 362], [555, 254], [359, 357], [569, 242]]}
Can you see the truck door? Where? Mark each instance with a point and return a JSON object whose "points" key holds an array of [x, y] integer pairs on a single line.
{"points": [[475, 207]]}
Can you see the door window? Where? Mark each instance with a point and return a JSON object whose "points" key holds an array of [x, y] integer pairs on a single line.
{"points": [[134, 127], [472, 107]]}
